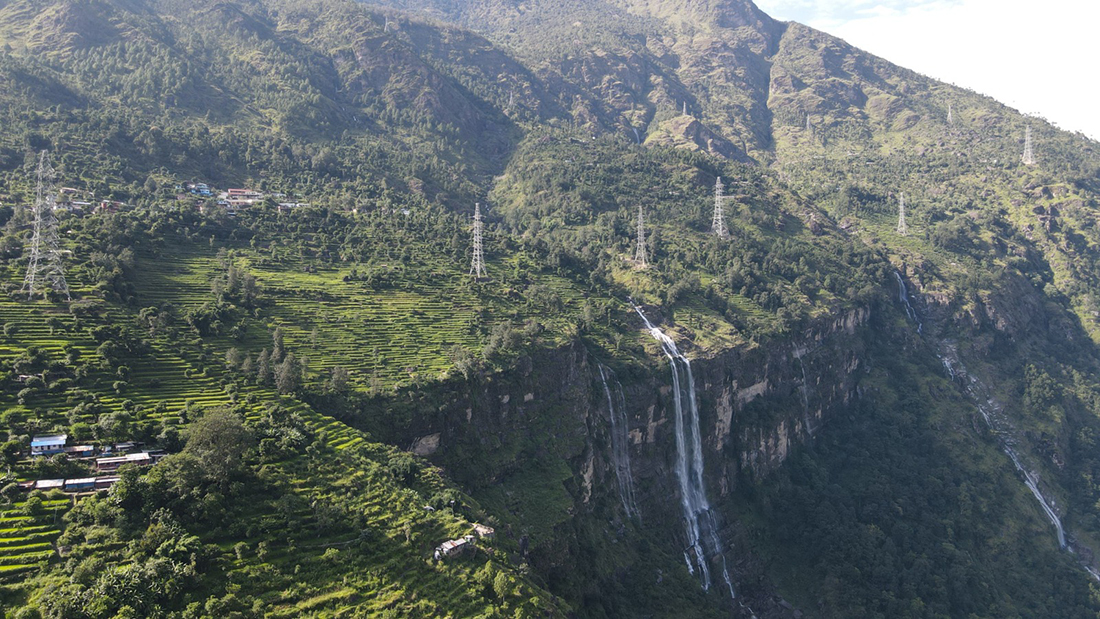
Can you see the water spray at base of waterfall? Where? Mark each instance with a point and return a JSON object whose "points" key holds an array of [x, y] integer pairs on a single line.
{"points": [[700, 523], [620, 451]]}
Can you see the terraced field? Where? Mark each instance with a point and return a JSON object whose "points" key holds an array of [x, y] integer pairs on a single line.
{"points": [[162, 377], [26, 539], [393, 335]]}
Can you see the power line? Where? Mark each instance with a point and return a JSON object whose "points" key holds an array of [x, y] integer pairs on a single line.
{"points": [[640, 251], [718, 223], [44, 262], [903, 228], [477, 267], [1029, 153]]}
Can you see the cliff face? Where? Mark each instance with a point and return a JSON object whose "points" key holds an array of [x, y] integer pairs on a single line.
{"points": [[537, 445]]}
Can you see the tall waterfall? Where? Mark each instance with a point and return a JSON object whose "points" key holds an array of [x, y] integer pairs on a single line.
{"points": [[903, 296], [702, 530], [620, 441]]}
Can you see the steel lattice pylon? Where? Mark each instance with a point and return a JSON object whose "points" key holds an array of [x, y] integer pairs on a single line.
{"points": [[477, 266], [44, 254], [1029, 153], [903, 228], [640, 250], [718, 223]]}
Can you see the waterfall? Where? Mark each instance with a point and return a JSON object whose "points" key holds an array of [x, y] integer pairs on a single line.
{"points": [[903, 296], [804, 389], [698, 519], [620, 450], [992, 414], [637, 136]]}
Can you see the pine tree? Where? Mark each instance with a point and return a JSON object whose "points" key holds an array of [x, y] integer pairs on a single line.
{"points": [[248, 368], [278, 350], [233, 358], [263, 368], [288, 374]]}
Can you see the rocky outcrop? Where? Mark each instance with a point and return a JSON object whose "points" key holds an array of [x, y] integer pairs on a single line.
{"points": [[687, 132]]}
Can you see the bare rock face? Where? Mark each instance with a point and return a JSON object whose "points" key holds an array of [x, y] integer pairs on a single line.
{"points": [[687, 132], [426, 445]]}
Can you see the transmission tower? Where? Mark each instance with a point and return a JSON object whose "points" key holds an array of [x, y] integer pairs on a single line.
{"points": [[387, 28], [950, 114], [1029, 154], [718, 224], [477, 267], [903, 228], [44, 263], [640, 252]]}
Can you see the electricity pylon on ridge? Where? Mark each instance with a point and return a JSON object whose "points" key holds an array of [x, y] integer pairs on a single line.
{"points": [[1029, 153], [477, 265], [44, 254], [640, 250], [950, 114], [718, 223], [903, 228]]}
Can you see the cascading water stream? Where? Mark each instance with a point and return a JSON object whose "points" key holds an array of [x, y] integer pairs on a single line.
{"points": [[804, 390], [699, 521], [991, 413], [620, 453], [903, 296], [637, 136]]}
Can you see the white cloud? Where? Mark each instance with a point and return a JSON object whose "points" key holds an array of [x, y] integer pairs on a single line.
{"points": [[1035, 57]]}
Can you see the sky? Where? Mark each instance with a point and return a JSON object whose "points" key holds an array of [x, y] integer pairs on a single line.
{"points": [[1038, 57]]}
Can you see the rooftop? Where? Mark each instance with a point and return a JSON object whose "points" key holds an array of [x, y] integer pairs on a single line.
{"points": [[51, 439]]}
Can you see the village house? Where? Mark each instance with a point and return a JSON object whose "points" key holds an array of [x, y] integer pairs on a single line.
{"points": [[103, 483], [200, 189], [109, 465], [454, 547], [80, 484], [80, 451], [236, 198], [48, 445], [110, 206], [484, 532]]}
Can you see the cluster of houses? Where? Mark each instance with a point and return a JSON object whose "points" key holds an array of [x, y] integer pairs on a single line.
{"points": [[80, 202], [466, 543], [106, 461], [232, 200]]}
